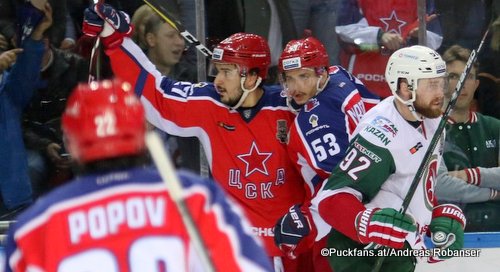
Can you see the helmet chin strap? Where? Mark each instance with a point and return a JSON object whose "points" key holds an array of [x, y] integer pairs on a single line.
{"points": [[318, 88], [246, 92], [415, 114], [409, 104]]}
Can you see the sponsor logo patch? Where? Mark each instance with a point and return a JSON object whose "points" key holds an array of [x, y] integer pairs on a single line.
{"points": [[291, 63], [217, 54], [313, 120]]}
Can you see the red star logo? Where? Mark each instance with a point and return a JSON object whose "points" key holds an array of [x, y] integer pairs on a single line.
{"points": [[393, 24], [255, 160]]}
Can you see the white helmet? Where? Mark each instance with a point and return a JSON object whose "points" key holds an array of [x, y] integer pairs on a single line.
{"points": [[413, 63]]}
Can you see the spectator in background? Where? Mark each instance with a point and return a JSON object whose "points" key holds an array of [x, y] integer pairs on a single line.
{"points": [[48, 161], [464, 23], [370, 30], [454, 187], [270, 19], [472, 139], [141, 15], [17, 85], [315, 15], [9, 10], [165, 48], [488, 92]]}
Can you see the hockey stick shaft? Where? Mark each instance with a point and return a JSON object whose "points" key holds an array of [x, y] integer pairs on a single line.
{"points": [[439, 131], [174, 187], [95, 58], [161, 10], [438, 134]]}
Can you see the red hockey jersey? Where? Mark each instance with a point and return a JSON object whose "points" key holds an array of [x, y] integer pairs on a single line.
{"points": [[126, 221], [247, 156]]}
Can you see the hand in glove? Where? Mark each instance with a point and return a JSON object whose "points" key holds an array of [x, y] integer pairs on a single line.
{"points": [[447, 229], [386, 227], [292, 229], [108, 23]]}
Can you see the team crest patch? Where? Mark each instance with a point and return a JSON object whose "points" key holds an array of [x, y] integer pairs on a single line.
{"points": [[313, 120], [385, 125], [311, 104], [282, 131], [429, 180]]}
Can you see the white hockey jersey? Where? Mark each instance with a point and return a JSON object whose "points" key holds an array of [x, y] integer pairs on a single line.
{"points": [[381, 164]]}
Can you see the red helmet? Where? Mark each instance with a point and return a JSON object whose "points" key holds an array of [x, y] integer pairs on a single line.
{"points": [[308, 52], [103, 120], [249, 51]]}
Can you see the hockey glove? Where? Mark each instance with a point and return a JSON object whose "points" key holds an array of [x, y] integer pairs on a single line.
{"points": [[92, 23], [447, 228], [292, 229], [119, 20], [386, 227], [113, 29]]}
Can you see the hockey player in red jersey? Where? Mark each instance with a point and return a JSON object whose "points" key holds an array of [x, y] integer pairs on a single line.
{"points": [[241, 123], [117, 215], [330, 102]]}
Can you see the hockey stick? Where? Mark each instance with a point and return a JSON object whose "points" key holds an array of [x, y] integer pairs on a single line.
{"points": [[95, 56], [438, 134], [167, 173], [160, 7]]}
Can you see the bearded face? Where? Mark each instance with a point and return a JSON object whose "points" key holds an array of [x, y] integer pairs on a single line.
{"points": [[430, 97]]}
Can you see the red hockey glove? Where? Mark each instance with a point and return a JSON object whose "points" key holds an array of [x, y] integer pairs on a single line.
{"points": [[386, 227], [292, 229], [447, 229]]}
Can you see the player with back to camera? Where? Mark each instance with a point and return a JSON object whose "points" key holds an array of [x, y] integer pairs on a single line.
{"points": [[117, 215]]}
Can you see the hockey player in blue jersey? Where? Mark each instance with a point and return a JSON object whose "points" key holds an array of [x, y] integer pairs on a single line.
{"points": [[330, 102]]}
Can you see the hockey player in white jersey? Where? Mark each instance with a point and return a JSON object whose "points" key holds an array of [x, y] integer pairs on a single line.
{"points": [[359, 204]]}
